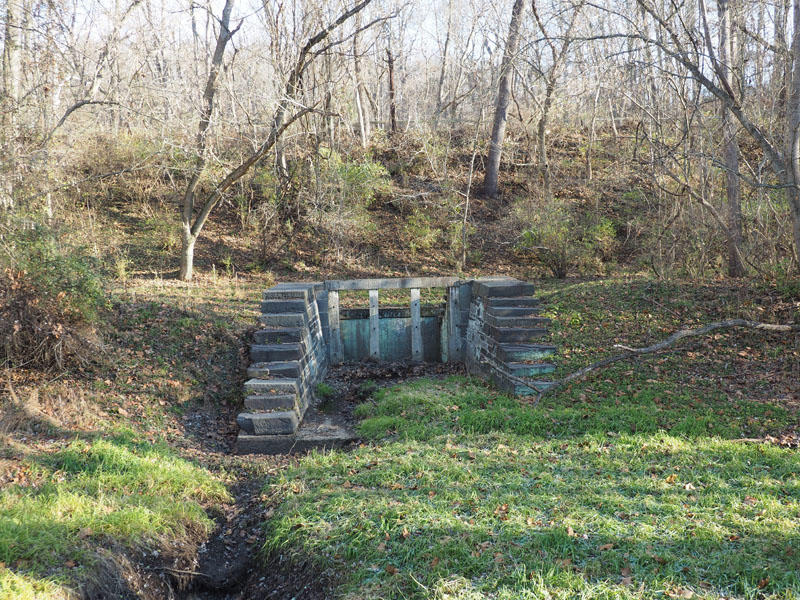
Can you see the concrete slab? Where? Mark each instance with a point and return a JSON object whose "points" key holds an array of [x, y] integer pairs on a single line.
{"points": [[271, 423]]}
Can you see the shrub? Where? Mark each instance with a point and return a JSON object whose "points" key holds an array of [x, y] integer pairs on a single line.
{"points": [[560, 242], [357, 181], [56, 269], [338, 195], [50, 296], [162, 231], [549, 239], [420, 231]]}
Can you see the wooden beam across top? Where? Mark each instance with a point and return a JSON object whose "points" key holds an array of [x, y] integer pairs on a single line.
{"points": [[391, 283]]}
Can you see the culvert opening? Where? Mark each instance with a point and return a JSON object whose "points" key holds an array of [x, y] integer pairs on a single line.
{"points": [[492, 327]]}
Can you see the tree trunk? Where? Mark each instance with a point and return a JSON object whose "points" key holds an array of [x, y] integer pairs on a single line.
{"points": [[501, 104], [793, 152], [392, 105], [728, 58], [9, 101], [443, 68], [544, 163], [187, 253], [188, 235], [592, 132], [361, 109]]}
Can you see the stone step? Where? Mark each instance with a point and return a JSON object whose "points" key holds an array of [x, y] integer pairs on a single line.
{"points": [[271, 402], [521, 369], [270, 423], [284, 320], [521, 352], [503, 288], [279, 369], [279, 335], [515, 334], [513, 311], [524, 390], [274, 387], [317, 431], [526, 322], [275, 352], [289, 291], [512, 302], [284, 306]]}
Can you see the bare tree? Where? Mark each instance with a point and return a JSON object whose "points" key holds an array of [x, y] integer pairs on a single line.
{"points": [[503, 98], [392, 93], [728, 59], [9, 102], [675, 41], [285, 114]]}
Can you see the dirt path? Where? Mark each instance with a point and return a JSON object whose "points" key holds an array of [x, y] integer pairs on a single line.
{"points": [[229, 564]]}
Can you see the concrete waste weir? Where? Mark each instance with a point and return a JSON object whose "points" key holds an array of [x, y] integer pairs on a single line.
{"points": [[491, 325]]}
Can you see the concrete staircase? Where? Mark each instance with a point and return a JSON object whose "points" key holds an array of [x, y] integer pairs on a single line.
{"points": [[288, 358], [494, 326], [505, 337]]}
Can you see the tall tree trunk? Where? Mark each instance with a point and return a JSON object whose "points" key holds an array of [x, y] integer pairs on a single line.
{"points": [[392, 104], [544, 163], [192, 225], [443, 69], [793, 155], [592, 132], [9, 101], [361, 109], [501, 104], [728, 57], [781, 74], [188, 236]]}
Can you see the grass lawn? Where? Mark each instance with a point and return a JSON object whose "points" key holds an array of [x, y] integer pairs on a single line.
{"points": [[633, 484]]}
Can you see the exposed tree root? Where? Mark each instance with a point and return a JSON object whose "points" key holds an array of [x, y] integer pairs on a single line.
{"points": [[666, 343]]}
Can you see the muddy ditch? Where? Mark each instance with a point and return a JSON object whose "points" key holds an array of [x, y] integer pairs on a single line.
{"points": [[228, 564]]}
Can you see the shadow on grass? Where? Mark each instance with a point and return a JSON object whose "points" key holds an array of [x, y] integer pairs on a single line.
{"points": [[508, 513], [599, 498]]}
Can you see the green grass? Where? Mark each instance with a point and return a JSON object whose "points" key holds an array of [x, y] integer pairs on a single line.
{"points": [[570, 511], [633, 484], [91, 494]]}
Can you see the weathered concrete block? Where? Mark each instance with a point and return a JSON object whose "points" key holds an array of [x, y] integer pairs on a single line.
{"points": [[530, 369], [271, 402], [284, 320], [279, 335], [524, 322], [275, 352], [513, 311], [284, 422], [284, 306], [503, 288], [524, 390], [279, 369], [291, 290], [502, 334], [271, 386], [519, 301], [522, 352]]}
